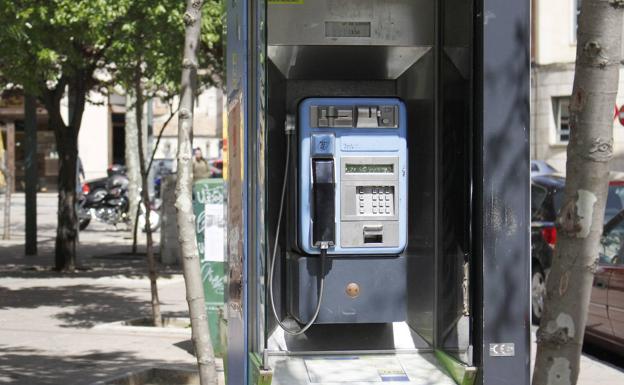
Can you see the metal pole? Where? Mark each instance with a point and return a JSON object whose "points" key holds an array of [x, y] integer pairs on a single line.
{"points": [[31, 178]]}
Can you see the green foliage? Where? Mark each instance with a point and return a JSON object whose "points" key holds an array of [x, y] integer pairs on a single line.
{"points": [[154, 45], [100, 42], [44, 40]]}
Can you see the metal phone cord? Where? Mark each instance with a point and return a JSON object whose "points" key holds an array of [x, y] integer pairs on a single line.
{"points": [[274, 254]]}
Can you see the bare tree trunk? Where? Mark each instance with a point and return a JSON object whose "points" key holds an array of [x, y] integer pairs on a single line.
{"points": [[132, 163], [6, 234], [3, 156], [184, 205], [135, 226], [145, 201], [149, 169], [580, 221], [9, 171], [160, 134]]}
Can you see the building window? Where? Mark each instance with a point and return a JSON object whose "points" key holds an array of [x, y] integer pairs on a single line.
{"points": [[561, 110]]}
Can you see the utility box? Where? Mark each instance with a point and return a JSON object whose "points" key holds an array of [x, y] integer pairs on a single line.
{"points": [[378, 192]]}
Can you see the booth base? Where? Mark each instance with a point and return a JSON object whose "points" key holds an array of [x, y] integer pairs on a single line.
{"points": [[397, 336], [422, 368]]}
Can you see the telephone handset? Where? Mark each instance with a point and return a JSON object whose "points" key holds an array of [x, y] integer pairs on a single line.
{"points": [[323, 192]]}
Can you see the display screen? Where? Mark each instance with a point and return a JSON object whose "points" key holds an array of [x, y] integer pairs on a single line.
{"points": [[369, 168]]}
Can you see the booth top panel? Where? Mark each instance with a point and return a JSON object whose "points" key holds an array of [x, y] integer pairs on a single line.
{"points": [[344, 62], [352, 22]]}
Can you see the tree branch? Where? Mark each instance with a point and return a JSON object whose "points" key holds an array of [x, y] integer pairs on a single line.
{"points": [[162, 130]]}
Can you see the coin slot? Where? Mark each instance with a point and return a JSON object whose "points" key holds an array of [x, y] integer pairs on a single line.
{"points": [[373, 234], [373, 238]]}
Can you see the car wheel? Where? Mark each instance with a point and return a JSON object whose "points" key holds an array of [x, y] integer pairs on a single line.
{"points": [[538, 293]]}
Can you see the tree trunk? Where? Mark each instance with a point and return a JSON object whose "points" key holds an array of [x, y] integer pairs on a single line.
{"points": [[67, 221], [67, 146], [30, 168], [6, 233], [580, 221], [184, 204], [9, 171], [145, 201], [3, 156], [132, 163]]}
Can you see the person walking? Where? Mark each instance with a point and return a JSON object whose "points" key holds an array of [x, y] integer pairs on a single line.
{"points": [[201, 168]]}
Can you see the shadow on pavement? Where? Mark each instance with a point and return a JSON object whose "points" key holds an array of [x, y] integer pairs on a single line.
{"points": [[93, 260], [27, 366], [83, 306], [87, 305]]}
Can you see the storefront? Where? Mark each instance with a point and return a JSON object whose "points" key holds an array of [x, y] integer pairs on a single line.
{"points": [[12, 111]]}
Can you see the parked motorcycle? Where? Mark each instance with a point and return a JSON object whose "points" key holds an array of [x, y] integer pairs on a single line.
{"points": [[109, 203]]}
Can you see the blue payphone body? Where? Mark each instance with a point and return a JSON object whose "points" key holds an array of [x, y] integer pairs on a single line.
{"points": [[352, 212], [362, 142]]}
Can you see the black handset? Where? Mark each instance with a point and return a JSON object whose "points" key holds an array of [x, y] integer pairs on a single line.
{"points": [[323, 191]]}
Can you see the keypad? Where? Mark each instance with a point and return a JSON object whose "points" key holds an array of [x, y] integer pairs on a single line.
{"points": [[375, 200]]}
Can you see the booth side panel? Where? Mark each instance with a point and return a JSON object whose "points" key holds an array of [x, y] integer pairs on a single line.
{"points": [[257, 177], [455, 163], [236, 259], [503, 68]]}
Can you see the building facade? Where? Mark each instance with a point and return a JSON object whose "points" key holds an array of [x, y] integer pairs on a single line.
{"points": [[101, 141]]}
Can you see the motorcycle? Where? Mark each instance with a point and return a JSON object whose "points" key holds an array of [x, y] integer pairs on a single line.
{"points": [[110, 204]]}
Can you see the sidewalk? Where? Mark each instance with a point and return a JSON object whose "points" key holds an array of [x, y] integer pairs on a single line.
{"points": [[47, 318], [53, 326]]}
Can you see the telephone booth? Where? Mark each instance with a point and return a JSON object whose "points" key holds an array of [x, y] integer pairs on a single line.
{"points": [[377, 192]]}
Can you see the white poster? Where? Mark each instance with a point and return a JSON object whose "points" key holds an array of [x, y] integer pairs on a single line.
{"points": [[214, 235]]}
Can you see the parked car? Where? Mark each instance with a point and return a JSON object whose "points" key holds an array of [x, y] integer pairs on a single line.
{"points": [[605, 323], [546, 200], [216, 168], [541, 167]]}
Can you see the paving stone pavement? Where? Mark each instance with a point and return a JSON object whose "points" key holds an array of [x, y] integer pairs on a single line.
{"points": [[47, 319]]}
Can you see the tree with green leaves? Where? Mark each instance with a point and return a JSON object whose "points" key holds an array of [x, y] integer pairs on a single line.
{"points": [[147, 65], [53, 48]]}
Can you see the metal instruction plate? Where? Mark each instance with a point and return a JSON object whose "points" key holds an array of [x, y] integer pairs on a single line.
{"points": [[347, 29]]}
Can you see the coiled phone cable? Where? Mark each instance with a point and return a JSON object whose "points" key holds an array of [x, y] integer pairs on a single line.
{"points": [[323, 256]]}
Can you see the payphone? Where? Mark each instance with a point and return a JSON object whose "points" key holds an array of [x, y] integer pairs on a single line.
{"points": [[351, 213], [326, 228], [362, 143]]}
